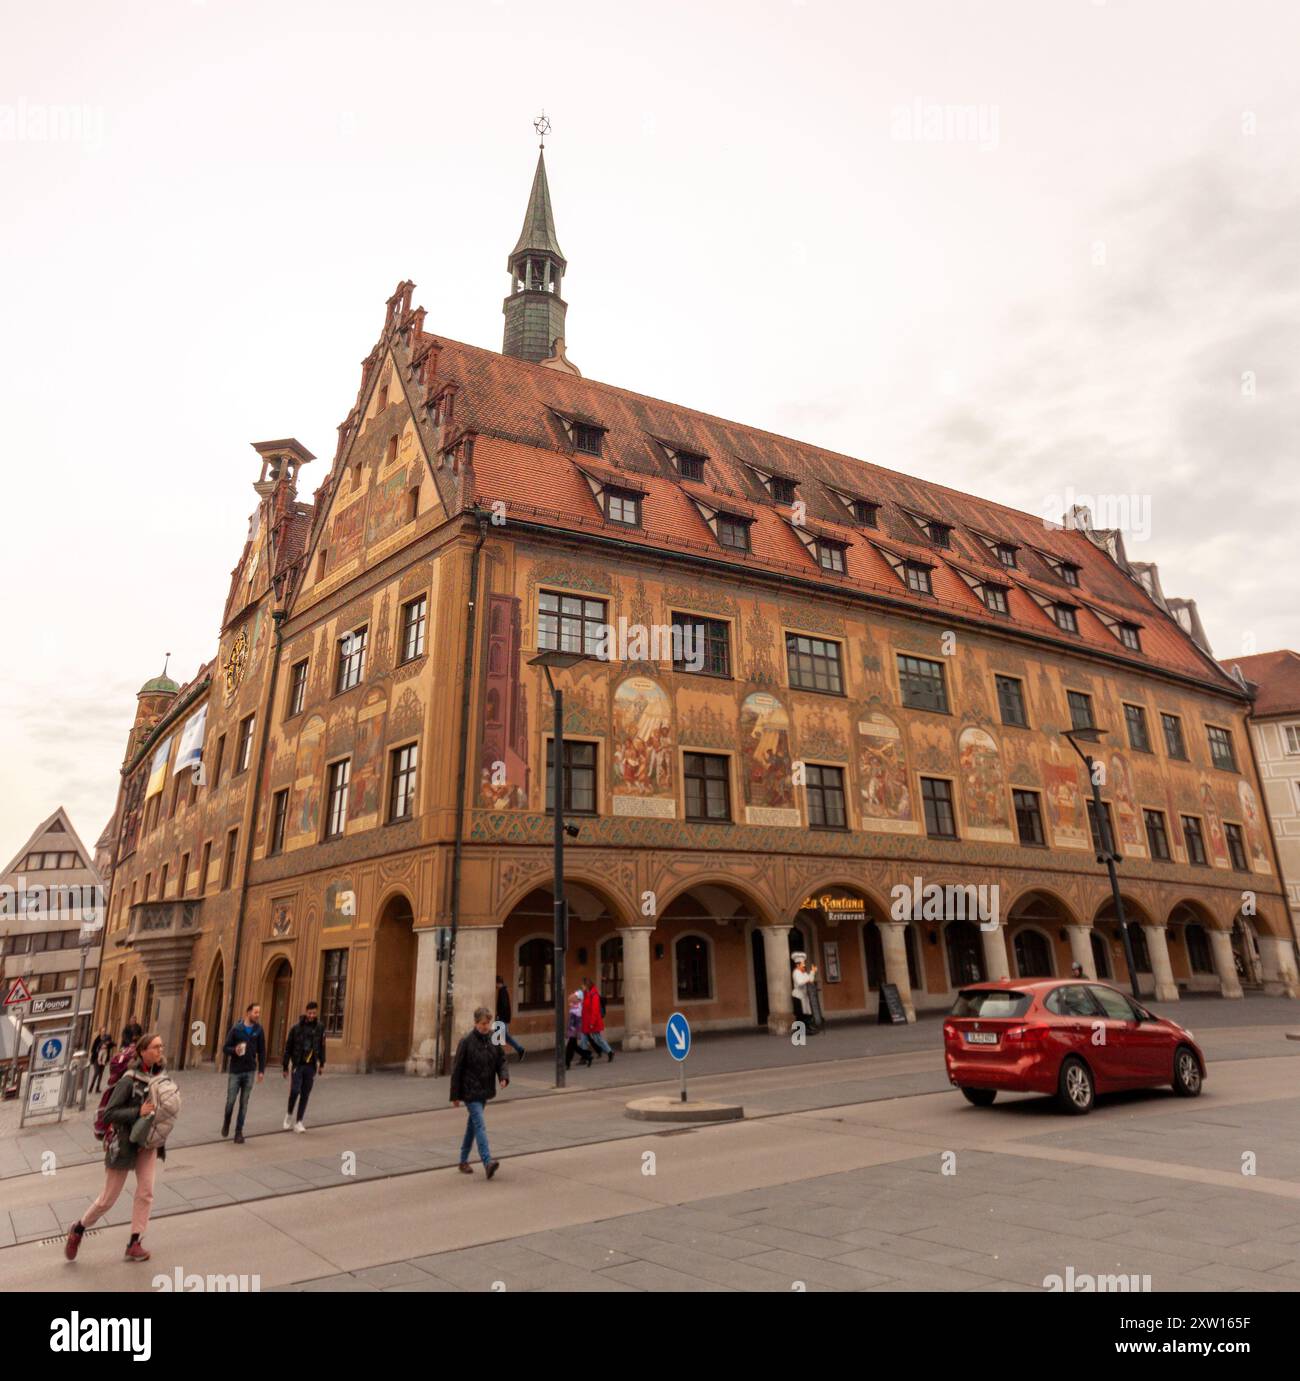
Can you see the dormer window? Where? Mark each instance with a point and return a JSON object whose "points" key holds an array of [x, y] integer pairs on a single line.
{"points": [[1129, 636], [623, 506], [939, 533], [587, 438], [995, 598], [690, 466], [1070, 573], [733, 532], [781, 489], [917, 578], [1066, 616], [831, 555], [1006, 553], [864, 512]]}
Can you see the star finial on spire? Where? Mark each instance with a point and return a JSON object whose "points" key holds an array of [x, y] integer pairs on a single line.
{"points": [[543, 127]]}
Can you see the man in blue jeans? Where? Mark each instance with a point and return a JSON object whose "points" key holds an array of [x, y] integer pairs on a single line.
{"points": [[480, 1062], [245, 1048]]}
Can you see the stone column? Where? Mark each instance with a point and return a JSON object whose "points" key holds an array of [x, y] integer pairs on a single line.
{"points": [[994, 940], [424, 1019], [475, 976], [776, 953], [893, 942], [1081, 948], [1278, 959], [1158, 949], [638, 1019], [1224, 962]]}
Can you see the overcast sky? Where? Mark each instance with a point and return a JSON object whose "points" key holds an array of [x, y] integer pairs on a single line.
{"points": [[1033, 249]]}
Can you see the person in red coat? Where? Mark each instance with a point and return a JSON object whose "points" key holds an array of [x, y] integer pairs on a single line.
{"points": [[593, 1019]]}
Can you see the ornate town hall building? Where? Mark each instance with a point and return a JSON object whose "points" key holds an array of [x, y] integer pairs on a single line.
{"points": [[873, 690]]}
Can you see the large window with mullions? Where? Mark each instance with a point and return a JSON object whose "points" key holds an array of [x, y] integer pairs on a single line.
{"points": [[814, 664], [570, 623]]}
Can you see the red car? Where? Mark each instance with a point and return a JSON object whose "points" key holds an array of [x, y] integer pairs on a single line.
{"points": [[1071, 1037]]}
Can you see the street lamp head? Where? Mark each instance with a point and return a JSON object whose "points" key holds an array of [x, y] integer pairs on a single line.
{"points": [[561, 661], [1091, 735], [571, 831]]}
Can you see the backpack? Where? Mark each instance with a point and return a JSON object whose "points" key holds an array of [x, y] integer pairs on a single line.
{"points": [[152, 1132], [117, 1066]]}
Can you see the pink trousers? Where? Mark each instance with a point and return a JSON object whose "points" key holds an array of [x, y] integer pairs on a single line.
{"points": [[146, 1162]]}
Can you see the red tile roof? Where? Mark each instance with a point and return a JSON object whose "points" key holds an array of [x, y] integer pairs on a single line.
{"points": [[521, 458], [1277, 674]]}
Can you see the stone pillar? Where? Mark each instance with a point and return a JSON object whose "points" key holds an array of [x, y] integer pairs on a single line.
{"points": [[1081, 949], [776, 953], [893, 942], [1278, 959], [475, 976], [1158, 949], [638, 1019], [994, 940], [1224, 962], [424, 1018]]}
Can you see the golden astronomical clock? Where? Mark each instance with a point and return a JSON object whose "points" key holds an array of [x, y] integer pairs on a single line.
{"points": [[233, 666]]}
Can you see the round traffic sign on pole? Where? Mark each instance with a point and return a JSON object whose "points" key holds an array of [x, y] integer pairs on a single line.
{"points": [[677, 1034]]}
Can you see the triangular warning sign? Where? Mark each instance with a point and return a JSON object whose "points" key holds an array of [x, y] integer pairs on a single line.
{"points": [[18, 993]]}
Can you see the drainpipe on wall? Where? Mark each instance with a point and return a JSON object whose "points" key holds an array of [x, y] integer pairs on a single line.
{"points": [[277, 617], [443, 1040]]}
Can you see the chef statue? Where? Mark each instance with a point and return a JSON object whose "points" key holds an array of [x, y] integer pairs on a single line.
{"points": [[802, 979]]}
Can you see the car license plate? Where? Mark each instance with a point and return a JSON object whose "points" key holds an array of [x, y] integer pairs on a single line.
{"points": [[981, 1037]]}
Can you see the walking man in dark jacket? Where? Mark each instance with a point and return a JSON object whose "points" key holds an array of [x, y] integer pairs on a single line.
{"points": [[504, 1015], [100, 1054], [479, 1063], [304, 1049], [246, 1049]]}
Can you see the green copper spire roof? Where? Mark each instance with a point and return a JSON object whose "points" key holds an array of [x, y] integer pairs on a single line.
{"points": [[539, 224]]}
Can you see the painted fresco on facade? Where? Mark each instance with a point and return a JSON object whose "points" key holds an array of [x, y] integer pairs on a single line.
{"points": [[705, 720], [1128, 822], [309, 762], [387, 508], [883, 787], [1215, 837], [642, 749], [1254, 827], [984, 786], [345, 535], [822, 732], [340, 903], [766, 765], [503, 761], [368, 761], [1065, 808]]}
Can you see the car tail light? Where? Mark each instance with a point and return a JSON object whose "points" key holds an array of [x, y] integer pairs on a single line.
{"points": [[1023, 1035], [949, 1031]]}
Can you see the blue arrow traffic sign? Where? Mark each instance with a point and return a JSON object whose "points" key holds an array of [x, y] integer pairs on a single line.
{"points": [[677, 1034], [50, 1048]]}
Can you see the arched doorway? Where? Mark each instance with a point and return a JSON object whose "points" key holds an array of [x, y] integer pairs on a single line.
{"points": [[1106, 924], [214, 1036], [1033, 954], [1100, 955], [146, 1011], [1191, 955], [392, 995], [965, 953], [279, 984], [132, 1012]]}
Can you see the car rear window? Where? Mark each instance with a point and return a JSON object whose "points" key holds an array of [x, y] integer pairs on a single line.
{"points": [[990, 1002]]}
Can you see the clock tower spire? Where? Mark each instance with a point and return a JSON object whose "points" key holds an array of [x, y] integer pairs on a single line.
{"points": [[535, 309]]}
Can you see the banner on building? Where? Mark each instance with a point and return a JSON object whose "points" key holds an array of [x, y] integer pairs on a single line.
{"points": [[158, 769], [190, 750]]}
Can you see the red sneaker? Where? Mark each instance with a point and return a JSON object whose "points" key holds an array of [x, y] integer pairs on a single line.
{"points": [[73, 1242], [135, 1252]]}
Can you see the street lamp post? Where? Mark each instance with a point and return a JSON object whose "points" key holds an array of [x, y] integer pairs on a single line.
{"points": [[561, 661], [1107, 854]]}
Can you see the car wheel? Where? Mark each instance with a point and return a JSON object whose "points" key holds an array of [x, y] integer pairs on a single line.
{"points": [[1076, 1088], [981, 1097], [1187, 1072]]}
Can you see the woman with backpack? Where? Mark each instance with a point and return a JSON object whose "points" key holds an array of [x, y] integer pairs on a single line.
{"points": [[140, 1114]]}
